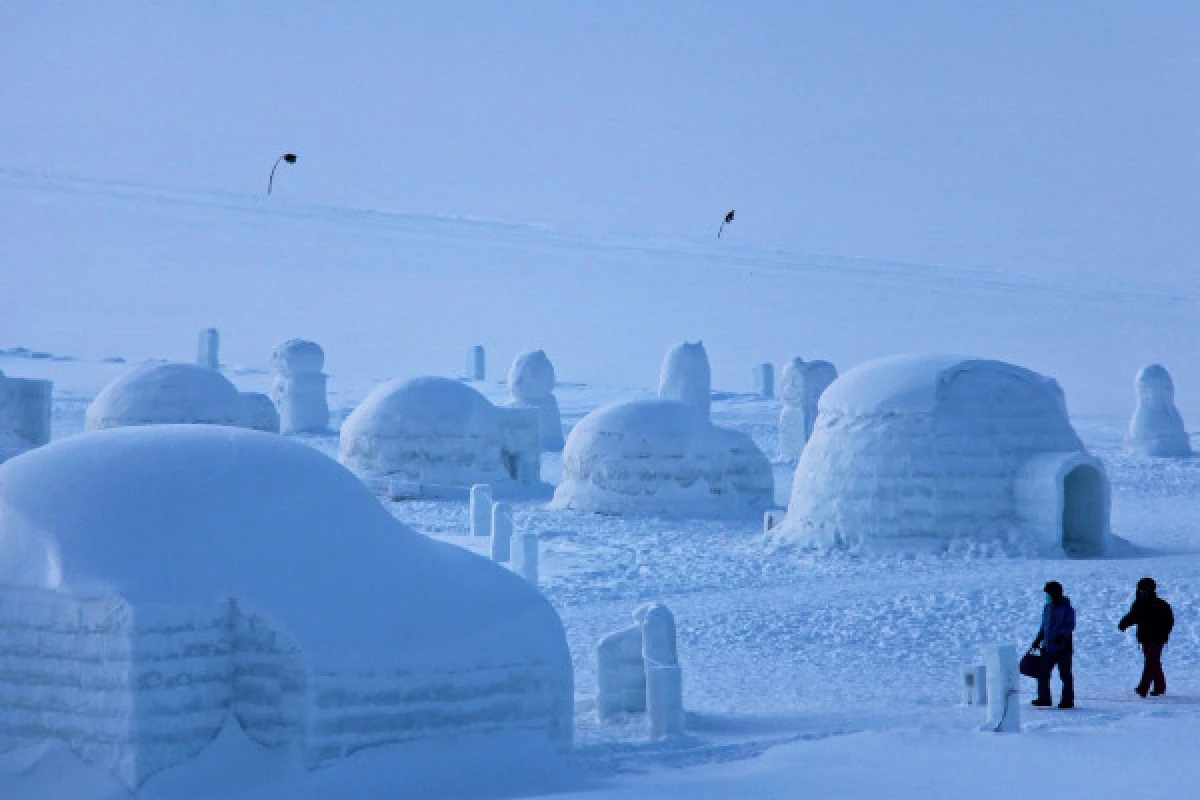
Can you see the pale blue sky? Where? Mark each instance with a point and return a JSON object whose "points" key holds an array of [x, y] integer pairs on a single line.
{"points": [[1061, 137]]}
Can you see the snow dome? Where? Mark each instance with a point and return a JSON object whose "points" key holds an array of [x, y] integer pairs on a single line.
{"points": [[935, 451], [664, 456], [440, 432], [226, 574], [162, 394]]}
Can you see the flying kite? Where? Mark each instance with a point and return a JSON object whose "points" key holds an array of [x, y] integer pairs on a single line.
{"points": [[728, 219], [289, 158]]}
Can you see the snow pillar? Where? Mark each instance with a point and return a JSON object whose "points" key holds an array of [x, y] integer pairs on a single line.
{"points": [[525, 556], [481, 510], [764, 380], [801, 387], [531, 382], [686, 376], [476, 363], [502, 531], [1003, 693], [975, 685], [664, 677], [206, 348], [620, 674], [1157, 428], [299, 386]]}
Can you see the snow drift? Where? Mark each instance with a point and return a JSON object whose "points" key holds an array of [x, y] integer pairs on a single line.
{"points": [[204, 574], [922, 451]]}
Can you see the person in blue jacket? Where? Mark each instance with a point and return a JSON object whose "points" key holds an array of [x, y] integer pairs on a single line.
{"points": [[1055, 639]]}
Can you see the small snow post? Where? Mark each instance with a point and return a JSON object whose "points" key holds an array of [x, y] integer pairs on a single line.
{"points": [[764, 380], [481, 510], [1003, 691], [206, 348], [476, 363], [502, 531], [525, 557]]}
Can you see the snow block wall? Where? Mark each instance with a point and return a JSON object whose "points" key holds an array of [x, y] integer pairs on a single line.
{"points": [[299, 386], [26, 408], [801, 388], [929, 452], [531, 383], [1157, 427]]}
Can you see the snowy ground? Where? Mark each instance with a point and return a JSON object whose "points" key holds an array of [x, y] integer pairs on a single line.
{"points": [[839, 675]]}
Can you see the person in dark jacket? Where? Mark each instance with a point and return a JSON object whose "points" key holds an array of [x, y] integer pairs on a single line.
{"points": [[1154, 620], [1056, 641]]}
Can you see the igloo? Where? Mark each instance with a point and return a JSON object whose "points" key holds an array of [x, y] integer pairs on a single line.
{"points": [[440, 433], [1157, 427], [299, 386], [160, 394], [664, 456], [259, 412], [25, 414], [801, 388], [203, 577], [928, 452], [531, 383]]}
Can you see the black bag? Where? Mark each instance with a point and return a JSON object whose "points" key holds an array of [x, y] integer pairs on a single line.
{"points": [[1033, 664]]}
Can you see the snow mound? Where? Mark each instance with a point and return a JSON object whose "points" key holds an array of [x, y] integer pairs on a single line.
{"points": [[437, 431], [164, 394], [661, 457], [921, 452], [230, 572]]}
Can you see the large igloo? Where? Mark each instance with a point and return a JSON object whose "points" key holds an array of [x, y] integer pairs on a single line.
{"points": [[439, 432], [164, 394], [664, 456], [203, 576], [926, 452]]}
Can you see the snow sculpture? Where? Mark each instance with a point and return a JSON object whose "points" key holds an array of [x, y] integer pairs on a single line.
{"points": [[531, 383], [502, 531], [801, 388], [299, 387], [481, 510], [206, 349], [525, 557], [620, 674], [26, 409], [163, 394], [259, 413], [476, 363], [209, 566], [934, 452], [764, 380], [440, 433], [975, 685], [686, 377], [1157, 428], [1003, 689]]}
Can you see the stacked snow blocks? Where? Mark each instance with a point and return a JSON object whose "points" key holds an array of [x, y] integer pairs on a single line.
{"points": [[299, 386], [26, 408], [916, 452], [1157, 428], [801, 388], [138, 690], [531, 383], [207, 348], [638, 671]]}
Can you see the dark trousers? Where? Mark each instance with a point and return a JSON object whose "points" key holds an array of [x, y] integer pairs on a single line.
{"points": [[1152, 672], [1062, 660]]}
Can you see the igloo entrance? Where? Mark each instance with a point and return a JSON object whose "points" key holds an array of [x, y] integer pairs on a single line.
{"points": [[1083, 516]]}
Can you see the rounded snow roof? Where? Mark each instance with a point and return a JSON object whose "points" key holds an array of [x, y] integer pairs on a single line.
{"points": [[637, 424], [188, 515], [161, 394], [912, 384], [430, 406]]}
